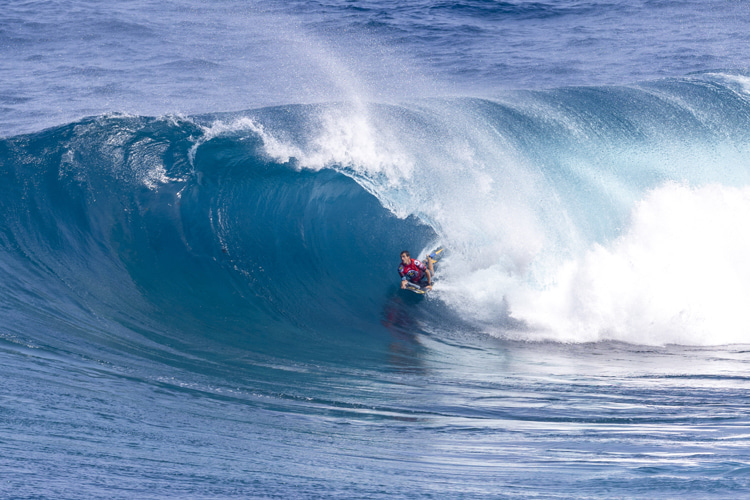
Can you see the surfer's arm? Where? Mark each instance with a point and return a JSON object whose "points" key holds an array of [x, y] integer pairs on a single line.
{"points": [[429, 278]]}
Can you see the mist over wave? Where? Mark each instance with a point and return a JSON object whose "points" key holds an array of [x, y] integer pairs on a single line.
{"points": [[582, 214]]}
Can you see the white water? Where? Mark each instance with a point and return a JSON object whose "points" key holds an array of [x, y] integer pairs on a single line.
{"points": [[679, 274]]}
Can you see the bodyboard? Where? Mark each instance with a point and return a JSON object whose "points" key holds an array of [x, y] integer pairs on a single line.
{"points": [[414, 288]]}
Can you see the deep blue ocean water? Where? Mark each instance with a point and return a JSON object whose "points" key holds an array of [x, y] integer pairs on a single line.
{"points": [[203, 204]]}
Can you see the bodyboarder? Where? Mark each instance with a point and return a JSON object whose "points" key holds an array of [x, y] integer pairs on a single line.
{"points": [[415, 271]]}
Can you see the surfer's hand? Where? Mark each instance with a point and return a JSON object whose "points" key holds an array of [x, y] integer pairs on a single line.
{"points": [[429, 287], [403, 284]]}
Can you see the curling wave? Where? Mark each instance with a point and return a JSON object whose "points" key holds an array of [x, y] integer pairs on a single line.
{"points": [[577, 214]]}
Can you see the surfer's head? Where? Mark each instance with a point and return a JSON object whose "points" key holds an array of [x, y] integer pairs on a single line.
{"points": [[405, 257]]}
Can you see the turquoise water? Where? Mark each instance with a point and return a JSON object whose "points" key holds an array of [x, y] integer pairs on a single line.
{"points": [[203, 208]]}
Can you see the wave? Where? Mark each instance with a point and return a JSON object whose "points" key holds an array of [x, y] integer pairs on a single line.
{"points": [[139, 235], [575, 214]]}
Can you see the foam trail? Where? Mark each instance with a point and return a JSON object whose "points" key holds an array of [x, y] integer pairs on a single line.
{"points": [[679, 274]]}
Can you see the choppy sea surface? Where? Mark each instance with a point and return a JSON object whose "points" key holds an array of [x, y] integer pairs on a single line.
{"points": [[202, 207]]}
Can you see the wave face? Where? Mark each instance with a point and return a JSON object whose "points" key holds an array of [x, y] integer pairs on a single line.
{"points": [[130, 221], [580, 214]]}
